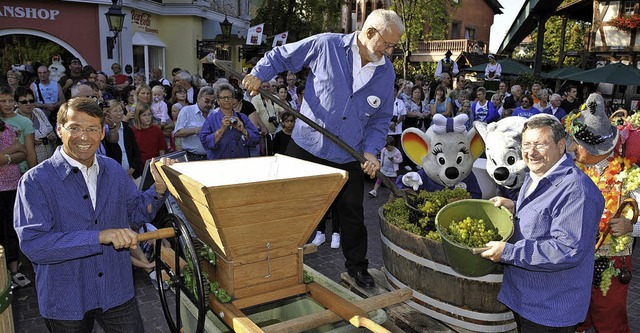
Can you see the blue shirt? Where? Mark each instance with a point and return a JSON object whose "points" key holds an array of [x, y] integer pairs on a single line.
{"points": [[486, 114], [191, 116], [58, 230], [361, 118], [231, 144], [519, 111], [549, 259]]}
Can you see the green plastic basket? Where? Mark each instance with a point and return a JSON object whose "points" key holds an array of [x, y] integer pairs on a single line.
{"points": [[461, 258]]}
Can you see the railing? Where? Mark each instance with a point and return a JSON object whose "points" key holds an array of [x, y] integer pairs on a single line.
{"points": [[455, 45]]}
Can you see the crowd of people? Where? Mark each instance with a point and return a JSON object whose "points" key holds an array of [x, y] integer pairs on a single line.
{"points": [[88, 122]]}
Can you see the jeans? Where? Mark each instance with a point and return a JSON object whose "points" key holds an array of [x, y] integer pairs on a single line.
{"points": [[124, 318], [526, 326]]}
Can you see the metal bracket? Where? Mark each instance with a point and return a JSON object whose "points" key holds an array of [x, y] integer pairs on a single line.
{"points": [[268, 261], [7, 294]]}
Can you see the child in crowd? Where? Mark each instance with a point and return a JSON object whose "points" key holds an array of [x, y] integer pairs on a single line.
{"points": [[175, 144], [281, 139], [159, 108], [390, 159]]}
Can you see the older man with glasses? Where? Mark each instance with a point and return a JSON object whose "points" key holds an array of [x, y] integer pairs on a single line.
{"points": [[190, 121]]}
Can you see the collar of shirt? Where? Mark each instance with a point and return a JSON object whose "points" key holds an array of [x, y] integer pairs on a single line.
{"points": [[362, 74], [536, 179], [89, 174]]}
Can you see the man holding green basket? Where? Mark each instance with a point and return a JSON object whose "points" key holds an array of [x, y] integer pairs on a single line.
{"points": [[548, 263]]}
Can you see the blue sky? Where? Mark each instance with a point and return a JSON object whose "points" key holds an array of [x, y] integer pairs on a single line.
{"points": [[502, 22]]}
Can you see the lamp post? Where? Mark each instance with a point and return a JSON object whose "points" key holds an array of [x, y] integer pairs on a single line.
{"points": [[226, 26], [115, 20]]}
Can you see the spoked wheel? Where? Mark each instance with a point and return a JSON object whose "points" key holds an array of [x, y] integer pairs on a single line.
{"points": [[185, 273]]}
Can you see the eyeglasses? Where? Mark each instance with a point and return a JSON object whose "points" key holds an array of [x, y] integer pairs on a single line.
{"points": [[77, 131], [27, 101], [386, 44], [225, 98], [526, 147], [524, 101]]}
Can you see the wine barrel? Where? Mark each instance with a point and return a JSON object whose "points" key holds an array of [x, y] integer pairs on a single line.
{"points": [[420, 264], [6, 315]]}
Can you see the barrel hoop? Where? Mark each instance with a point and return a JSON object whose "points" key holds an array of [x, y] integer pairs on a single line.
{"points": [[492, 278], [7, 295], [498, 322]]}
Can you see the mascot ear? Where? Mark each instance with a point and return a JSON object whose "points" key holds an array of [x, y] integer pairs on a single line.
{"points": [[476, 143], [481, 128], [414, 143]]}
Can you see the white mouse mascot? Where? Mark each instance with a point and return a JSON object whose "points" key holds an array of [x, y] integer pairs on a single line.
{"points": [[56, 69], [505, 165], [446, 153]]}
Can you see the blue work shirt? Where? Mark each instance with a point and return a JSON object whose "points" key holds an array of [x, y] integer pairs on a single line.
{"points": [[58, 229], [361, 118], [519, 111], [231, 144], [549, 259]]}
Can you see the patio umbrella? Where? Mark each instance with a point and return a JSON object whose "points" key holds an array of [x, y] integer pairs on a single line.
{"points": [[509, 67], [618, 74], [561, 73]]}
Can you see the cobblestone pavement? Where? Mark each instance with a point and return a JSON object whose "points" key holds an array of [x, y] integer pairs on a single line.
{"points": [[329, 262]]}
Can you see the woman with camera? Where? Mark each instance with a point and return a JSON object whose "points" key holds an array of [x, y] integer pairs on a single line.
{"points": [[269, 113], [225, 133], [45, 137]]}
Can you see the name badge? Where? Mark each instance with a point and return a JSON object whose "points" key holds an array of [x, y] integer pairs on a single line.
{"points": [[374, 101]]}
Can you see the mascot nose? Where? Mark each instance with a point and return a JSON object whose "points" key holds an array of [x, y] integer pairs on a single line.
{"points": [[452, 173], [501, 173]]}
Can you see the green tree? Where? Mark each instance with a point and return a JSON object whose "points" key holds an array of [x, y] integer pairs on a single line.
{"points": [[575, 40], [302, 18], [417, 15], [24, 49]]}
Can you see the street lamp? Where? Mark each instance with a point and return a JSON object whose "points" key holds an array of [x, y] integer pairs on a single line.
{"points": [[115, 20], [225, 26]]}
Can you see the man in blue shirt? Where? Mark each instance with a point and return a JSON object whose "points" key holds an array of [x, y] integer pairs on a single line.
{"points": [[349, 91], [549, 259], [73, 214]]}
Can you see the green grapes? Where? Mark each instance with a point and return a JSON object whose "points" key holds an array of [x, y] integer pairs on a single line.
{"points": [[607, 274], [621, 242], [434, 235], [635, 119], [630, 179], [471, 232], [429, 203]]}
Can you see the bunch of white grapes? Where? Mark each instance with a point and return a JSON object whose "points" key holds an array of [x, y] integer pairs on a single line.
{"points": [[621, 242], [630, 179], [635, 119]]}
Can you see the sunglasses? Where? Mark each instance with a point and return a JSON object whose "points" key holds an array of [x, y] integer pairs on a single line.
{"points": [[27, 101]]}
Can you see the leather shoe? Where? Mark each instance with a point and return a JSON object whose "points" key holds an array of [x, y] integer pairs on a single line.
{"points": [[363, 279]]}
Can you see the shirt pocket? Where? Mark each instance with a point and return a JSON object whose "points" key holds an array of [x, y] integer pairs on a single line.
{"points": [[534, 223]]}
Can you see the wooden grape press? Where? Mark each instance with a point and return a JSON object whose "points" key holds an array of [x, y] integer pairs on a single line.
{"points": [[248, 221]]}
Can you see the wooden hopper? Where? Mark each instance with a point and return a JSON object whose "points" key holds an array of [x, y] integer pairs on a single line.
{"points": [[256, 213]]}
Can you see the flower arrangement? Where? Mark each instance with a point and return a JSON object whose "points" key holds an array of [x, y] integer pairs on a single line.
{"points": [[627, 23]]}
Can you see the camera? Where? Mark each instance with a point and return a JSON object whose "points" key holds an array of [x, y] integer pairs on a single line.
{"points": [[45, 141], [233, 121], [394, 119], [273, 120]]}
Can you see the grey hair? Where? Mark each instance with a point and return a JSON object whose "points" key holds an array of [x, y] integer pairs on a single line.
{"points": [[184, 75], [546, 120], [219, 87], [207, 90], [542, 92], [380, 19], [554, 97], [515, 87]]}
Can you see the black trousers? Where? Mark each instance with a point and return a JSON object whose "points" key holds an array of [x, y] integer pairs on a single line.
{"points": [[347, 209], [8, 236], [527, 326]]}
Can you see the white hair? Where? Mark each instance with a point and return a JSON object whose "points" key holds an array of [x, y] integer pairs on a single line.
{"points": [[380, 19], [554, 97]]}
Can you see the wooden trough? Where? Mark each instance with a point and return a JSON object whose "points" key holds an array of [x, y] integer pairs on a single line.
{"points": [[256, 214]]}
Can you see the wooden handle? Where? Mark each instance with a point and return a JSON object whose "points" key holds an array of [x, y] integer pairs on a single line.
{"points": [[158, 234], [627, 202], [615, 114]]}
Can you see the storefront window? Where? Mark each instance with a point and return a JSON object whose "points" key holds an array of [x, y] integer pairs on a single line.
{"points": [[155, 58]]}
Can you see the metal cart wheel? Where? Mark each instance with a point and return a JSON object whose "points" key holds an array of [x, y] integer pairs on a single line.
{"points": [[193, 286]]}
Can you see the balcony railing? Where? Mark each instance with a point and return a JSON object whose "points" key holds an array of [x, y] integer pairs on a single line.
{"points": [[455, 45]]}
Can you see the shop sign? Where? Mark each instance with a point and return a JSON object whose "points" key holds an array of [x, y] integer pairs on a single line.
{"points": [[143, 21], [28, 13]]}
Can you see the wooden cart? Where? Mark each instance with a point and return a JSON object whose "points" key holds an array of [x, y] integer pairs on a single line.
{"points": [[256, 214]]}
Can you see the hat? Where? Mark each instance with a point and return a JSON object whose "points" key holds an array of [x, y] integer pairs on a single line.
{"points": [[492, 56], [448, 53], [591, 127]]}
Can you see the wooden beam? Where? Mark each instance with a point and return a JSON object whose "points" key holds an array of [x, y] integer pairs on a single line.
{"points": [[233, 317]]}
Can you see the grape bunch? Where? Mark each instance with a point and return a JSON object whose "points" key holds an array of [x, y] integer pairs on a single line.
{"points": [[631, 179], [472, 233], [603, 273], [635, 119], [620, 242]]}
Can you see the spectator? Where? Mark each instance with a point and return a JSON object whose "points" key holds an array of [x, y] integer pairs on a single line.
{"points": [[496, 100], [139, 79], [292, 89], [390, 159], [120, 80], [159, 108], [535, 90], [14, 77], [555, 109], [157, 75], [179, 95], [128, 96], [20, 124], [282, 138], [190, 121], [225, 133], [465, 108], [461, 85], [571, 101], [483, 109], [284, 96], [269, 113], [106, 91], [44, 137], [493, 71], [125, 151], [330, 91], [440, 103], [184, 79], [49, 95], [399, 114], [556, 218], [416, 115], [76, 233], [89, 73], [543, 100], [503, 88], [12, 152], [513, 101], [462, 96], [299, 97], [71, 78], [446, 65], [149, 137], [175, 144], [525, 109]]}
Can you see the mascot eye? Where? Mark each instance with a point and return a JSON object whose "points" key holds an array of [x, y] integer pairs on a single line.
{"points": [[511, 158], [441, 160], [460, 157]]}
